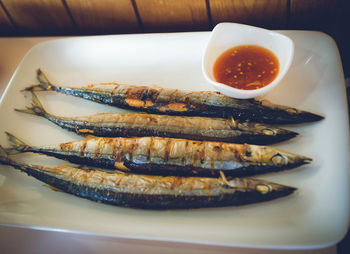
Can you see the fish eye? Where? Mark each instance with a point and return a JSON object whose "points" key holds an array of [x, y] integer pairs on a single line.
{"points": [[279, 160], [268, 131], [263, 188]]}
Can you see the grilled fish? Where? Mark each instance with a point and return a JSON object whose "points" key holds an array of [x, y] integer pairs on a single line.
{"points": [[152, 192], [167, 156], [140, 125], [177, 102]]}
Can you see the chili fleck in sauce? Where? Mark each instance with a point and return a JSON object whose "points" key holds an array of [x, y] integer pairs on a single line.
{"points": [[246, 67]]}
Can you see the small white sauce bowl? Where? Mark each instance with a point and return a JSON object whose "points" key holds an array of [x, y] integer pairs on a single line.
{"points": [[228, 35]]}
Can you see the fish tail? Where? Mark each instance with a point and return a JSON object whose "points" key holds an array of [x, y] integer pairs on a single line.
{"points": [[45, 84], [36, 171], [42, 77], [36, 108], [4, 159], [17, 146], [39, 87]]}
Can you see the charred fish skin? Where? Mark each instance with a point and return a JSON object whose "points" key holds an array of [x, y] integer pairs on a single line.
{"points": [[152, 192], [186, 103], [168, 156], [141, 125], [266, 112]]}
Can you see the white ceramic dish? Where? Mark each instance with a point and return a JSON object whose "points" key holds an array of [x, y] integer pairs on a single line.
{"points": [[228, 35], [316, 216]]}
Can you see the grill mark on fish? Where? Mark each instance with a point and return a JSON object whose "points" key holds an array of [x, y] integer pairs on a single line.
{"points": [[152, 192], [200, 103], [172, 95], [83, 147], [167, 150], [195, 152], [202, 153], [149, 152], [185, 157], [134, 147], [99, 148], [114, 151]]}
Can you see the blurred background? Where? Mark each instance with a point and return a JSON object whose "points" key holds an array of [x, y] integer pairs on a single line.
{"points": [[90, 17]]}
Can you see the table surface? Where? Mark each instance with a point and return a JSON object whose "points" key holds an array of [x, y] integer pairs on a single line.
{"points": [[39, 241]]}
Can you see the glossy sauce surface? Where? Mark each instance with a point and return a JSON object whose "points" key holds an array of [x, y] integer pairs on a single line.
{"points": [[246, 67]]}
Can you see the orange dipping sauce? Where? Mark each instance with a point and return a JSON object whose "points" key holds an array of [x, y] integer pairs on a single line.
{"points": [[246, 67]]}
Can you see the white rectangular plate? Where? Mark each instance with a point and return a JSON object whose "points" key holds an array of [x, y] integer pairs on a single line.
{"points": [[316, 216]]}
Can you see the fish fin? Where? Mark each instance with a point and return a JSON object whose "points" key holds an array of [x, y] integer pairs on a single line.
{"points": [[36, 108], [17, 145]]}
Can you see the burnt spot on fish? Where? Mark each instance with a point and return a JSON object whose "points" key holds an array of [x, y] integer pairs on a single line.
{"points": [[244, 153], [135, 92], [66, 146], [149, 94], [217, 148]]}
